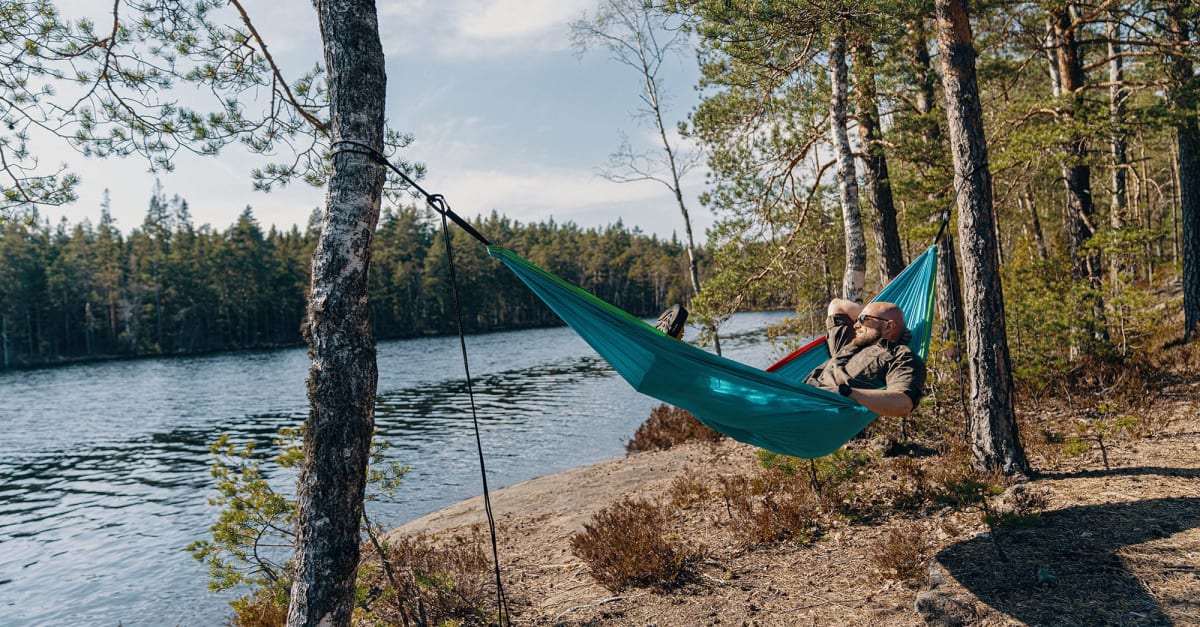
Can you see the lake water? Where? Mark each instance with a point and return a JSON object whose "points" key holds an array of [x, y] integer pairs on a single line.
{"points": [[104, 476]]}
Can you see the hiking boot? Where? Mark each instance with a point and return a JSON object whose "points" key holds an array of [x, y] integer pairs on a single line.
{"points": [[672, 320]]}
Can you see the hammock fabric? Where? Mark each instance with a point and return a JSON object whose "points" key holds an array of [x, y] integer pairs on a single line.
{"points": [[771, 409]]}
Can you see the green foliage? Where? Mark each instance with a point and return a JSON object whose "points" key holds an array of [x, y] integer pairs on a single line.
{"points": [[172, 288], [252, 538], [252, 541], [785, 464], [266, 606], [1103, 428], [835, 468], [841, 465], [383, 476]]}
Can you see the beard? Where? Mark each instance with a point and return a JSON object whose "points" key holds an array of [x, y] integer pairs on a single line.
{"points": [[867, 337]]}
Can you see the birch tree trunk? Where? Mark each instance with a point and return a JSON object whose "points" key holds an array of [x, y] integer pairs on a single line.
{"points": [[991, 424], [875, 166], [634, 33], [1184, 99], [1118, 143], [856, 245], [341, 384]]}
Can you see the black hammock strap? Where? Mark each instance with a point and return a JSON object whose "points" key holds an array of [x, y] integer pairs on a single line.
{"points": [[436, 201], [439, 204]]}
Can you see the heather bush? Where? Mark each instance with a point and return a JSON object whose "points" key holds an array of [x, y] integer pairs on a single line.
{"points": [[628, 544], [668, 426], [901, 553], [425, 580], [772, 507], [688, 490]]}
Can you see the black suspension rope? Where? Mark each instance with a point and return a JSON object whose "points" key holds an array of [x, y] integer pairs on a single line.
{"points": [[502, 605], [435, 201], [439, 204], [959, 334], [942, 229]]}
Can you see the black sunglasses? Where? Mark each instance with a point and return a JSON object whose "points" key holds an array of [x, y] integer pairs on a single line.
{"points": [[863, 317]]}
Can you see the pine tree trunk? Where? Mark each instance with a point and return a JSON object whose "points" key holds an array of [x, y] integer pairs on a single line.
{"points": [[1081, 209], [949, 296], [875, 167], [342, 381], [856, 245], [949, 286], [1187, 133], [926, 80], [992, 424], [1035, 224]]}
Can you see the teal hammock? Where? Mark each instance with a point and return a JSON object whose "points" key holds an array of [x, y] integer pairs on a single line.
{"points": [[773, 408]]}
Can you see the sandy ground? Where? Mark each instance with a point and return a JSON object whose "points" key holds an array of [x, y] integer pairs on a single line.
{"points": [[1119, 546]]}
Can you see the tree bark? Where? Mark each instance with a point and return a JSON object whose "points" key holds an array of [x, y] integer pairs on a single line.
{"points": [[856, 245], [949, 287], [1184, 101], [1118, 143], [875, 166], [1081, 209], [1035, 225], [342, 381], [992, 423]]}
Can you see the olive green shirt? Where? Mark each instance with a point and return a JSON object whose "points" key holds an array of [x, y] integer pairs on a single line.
{"points": [[884, 364]]}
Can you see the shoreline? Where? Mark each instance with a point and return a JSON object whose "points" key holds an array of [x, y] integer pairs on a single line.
{"points": [[567, 499], [1142, 495]]}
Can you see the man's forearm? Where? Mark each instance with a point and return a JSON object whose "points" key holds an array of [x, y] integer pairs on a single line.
{"points": [[883, 402]]}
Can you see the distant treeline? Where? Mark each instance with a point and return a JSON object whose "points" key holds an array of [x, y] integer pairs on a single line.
{"points": [[86, 291]]}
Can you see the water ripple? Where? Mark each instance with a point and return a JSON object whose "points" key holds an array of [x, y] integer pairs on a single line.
{"points": [[106, 472]]}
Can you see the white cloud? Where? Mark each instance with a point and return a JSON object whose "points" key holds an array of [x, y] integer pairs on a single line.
{"points": [[478, 28], [495, 136], [565, 194], [517, 19]]}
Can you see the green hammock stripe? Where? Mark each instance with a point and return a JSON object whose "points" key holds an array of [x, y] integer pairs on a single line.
{"points": [[771, 410]]}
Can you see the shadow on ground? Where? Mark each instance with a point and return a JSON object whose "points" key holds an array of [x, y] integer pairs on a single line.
{"points": [[1098, 565]]}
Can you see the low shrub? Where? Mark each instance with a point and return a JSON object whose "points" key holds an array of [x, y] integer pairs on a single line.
{"points": [[900, 553], [627, 544], [267, 606], [688, 490], [668, 426], [424, 580], [773, 507]]}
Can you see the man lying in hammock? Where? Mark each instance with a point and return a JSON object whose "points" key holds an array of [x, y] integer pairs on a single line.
{"points": [[871, 361]]}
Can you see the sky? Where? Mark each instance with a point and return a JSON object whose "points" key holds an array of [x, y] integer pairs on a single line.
{"points": [[505, 115]]}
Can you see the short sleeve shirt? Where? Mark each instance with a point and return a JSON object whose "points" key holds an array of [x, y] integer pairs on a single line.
{"points": [[884, 364]]}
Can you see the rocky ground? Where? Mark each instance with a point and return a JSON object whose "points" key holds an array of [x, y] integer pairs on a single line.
{"points": [[1115, 546]]}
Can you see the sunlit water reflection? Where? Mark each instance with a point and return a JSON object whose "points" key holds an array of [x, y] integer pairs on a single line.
{"points": [[106, 466]]}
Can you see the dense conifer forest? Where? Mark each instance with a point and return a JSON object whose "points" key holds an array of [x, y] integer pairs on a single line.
{"points": [[87, 291]]}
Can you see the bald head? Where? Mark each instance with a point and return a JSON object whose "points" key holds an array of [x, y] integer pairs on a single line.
{"points": [[888, 318]]}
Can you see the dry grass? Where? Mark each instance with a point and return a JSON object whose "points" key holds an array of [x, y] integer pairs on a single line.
{"points": [[423, 580], [1098, 536], [629, 544]]}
